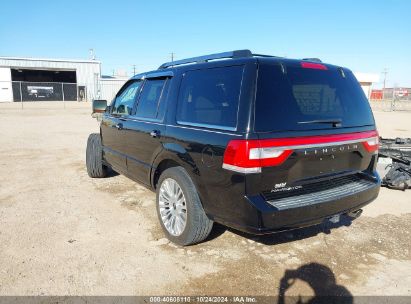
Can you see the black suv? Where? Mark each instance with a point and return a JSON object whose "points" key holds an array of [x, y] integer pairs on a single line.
{"points": [[255, 142]]}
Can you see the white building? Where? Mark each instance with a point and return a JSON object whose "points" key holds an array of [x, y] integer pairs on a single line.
{"points": [[366, 80], [48, 79], [110, 85]]}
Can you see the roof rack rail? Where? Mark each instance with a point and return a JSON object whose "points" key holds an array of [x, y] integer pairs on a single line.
{"points": [[262, 55], [232, 54], [312, 59]]}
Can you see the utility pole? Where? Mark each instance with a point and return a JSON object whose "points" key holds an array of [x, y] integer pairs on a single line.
{"points": [[172, 56], [134, 69], [385, 72]]}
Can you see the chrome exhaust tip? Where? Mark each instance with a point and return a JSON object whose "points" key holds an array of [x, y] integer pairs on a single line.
{"points": [[355, 214]]}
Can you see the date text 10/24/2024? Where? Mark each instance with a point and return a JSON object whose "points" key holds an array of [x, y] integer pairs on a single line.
{"points": [[202, 299]]}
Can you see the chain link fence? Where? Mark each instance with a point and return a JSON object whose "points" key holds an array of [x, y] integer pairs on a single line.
{"points": [[391, 105], [391, 99], [22, 91], [396, 94]]}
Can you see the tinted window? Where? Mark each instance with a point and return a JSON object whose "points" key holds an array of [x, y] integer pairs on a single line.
{"points": [[150, 97], [293, 100], [125, 101], [210, 96]]}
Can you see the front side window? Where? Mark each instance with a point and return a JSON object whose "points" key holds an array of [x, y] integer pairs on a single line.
{"points": [[210, 97], [124, 102], [150, 98]]}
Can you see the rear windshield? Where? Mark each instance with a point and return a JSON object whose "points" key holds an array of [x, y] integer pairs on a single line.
{"points": [[296, 98]]}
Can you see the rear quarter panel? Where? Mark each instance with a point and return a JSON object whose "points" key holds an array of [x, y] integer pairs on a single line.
{"points": [[201, 150]]}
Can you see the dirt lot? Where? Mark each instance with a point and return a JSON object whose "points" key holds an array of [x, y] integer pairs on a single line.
{"points": [[63, 233]]}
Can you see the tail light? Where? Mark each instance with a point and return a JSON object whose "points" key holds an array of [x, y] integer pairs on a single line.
{"points": [[371, 144], [249, 156]]}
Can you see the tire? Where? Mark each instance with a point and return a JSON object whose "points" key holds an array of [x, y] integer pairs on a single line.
{"points": [[197, 225], [94, 157]]}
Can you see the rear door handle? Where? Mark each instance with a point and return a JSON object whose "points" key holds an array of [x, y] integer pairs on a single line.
{"points": [[119, 126], [155, 133]]}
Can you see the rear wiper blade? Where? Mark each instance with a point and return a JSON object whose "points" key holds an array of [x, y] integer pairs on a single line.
{"points": [[335, 122]]}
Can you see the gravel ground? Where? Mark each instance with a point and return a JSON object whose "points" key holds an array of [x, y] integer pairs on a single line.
{"points": [[63, 233]]}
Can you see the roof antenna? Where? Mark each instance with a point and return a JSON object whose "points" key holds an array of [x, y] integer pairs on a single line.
{"points": [[92, 55]]}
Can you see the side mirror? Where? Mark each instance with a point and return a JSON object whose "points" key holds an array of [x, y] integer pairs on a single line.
{"points": [[99, 106]]}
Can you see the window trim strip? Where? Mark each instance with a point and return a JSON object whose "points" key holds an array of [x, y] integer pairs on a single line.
{"points": [[203, 125]]}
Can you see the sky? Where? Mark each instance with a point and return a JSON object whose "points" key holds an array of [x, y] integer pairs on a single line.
{"points": [[365, 36]]}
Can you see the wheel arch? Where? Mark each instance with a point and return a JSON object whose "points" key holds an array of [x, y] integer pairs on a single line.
{"points": [[174, 155], [160, 168]]}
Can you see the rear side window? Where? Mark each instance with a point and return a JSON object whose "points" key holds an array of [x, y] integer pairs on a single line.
{"points": [[210, 97], [150, 97], [306, 98]]}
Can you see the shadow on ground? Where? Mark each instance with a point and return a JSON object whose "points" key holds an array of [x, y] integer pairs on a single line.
{"points": [[322, 281], [284, 236], [111, 173]]}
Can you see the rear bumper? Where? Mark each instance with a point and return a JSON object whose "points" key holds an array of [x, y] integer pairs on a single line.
{"points": [[271, 217]]}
